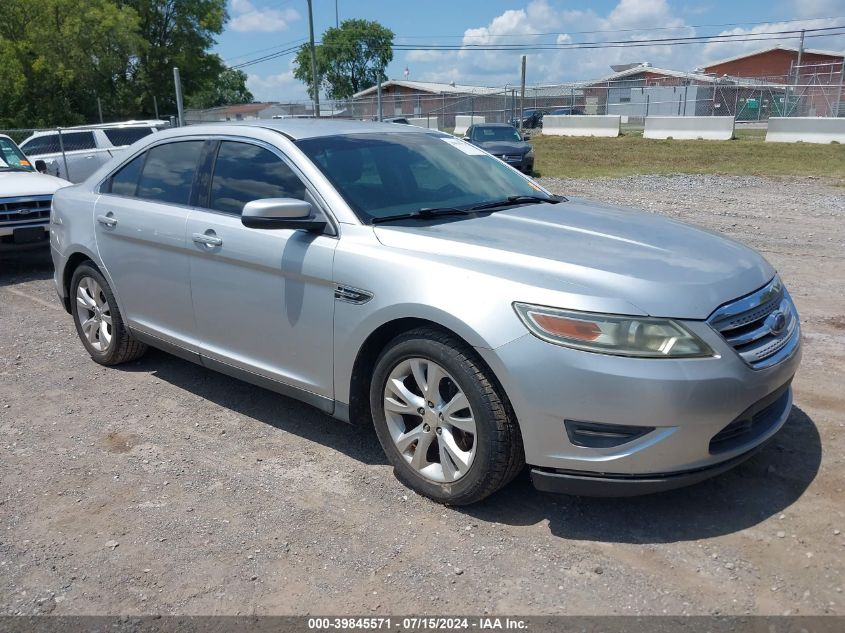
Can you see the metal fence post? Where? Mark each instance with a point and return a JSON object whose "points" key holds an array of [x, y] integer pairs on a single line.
{"points": [[62, 148]]}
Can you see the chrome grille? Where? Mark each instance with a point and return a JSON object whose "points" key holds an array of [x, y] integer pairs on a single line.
{"points": [[762, 327], [25, 210]]}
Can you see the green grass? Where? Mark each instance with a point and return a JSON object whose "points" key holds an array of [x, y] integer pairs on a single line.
{"points": [[631, 154]]}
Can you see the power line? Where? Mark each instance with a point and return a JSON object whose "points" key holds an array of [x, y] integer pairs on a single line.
{"points": [[629, 30], [732, 37], [527, 47]]}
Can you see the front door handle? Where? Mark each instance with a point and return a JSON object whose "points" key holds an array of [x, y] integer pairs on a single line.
{"points": [[208, 240], [107, 220]]}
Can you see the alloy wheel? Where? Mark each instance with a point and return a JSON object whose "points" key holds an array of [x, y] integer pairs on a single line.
{"points": [[94, 314], [430, 420]]}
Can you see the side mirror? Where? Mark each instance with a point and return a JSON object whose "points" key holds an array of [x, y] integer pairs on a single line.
{"points": [[465, 138], [280, 213], [526, 137], [40, 166]]}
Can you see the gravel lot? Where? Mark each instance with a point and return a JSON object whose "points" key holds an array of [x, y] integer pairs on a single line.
{"points": [[161, 487]]}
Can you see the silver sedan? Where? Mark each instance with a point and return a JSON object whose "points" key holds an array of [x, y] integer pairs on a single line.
{"points": [[400, 277]]}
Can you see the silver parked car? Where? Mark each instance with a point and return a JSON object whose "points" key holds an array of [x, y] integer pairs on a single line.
{"points": [[400, 276]]}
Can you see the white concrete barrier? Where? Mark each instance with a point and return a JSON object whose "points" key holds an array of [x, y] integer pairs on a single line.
{"points": [[582, 125], [806, 129], [463, 121], [711, 128], [432, 123]]}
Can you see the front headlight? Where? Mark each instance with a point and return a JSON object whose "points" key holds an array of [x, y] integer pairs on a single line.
{"points": [[614, 334]]}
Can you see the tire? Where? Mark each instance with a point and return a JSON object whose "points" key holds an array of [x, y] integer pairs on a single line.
{"points": [[471, 451], [93, 305]]}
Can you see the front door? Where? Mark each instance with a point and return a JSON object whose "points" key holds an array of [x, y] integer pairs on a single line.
{"points": [[263, 298]]}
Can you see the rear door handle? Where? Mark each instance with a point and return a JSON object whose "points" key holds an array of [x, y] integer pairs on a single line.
{"points": [[208, 240], [107, 220]]}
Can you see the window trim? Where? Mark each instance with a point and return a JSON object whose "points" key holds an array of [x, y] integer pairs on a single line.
{"points": [[333, 225], [146, 150]]}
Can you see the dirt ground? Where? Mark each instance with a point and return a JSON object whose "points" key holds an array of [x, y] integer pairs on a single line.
{"points": [[162, 487]]}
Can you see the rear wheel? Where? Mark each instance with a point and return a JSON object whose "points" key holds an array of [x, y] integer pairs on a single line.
{"points": [[441, 421], [98, 319]]}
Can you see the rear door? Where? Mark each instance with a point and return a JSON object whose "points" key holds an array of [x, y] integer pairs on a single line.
{"points": [[140, 227], [263, 299]]}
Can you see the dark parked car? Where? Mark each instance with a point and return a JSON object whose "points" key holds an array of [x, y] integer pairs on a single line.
{"points": [[503, 141], [530, 118], [564, 111]]}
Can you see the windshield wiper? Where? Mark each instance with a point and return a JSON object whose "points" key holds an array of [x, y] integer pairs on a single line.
{"points": [[511, 200], [421, 214]]}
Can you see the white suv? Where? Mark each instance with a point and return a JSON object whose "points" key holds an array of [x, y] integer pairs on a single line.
{"points": [[86, 148]]}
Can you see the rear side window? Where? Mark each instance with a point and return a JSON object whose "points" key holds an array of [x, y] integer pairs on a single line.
{"points": [[47, 144], [245, 172], [169, 172], [126, 135], [75, 141], [125, 180]]}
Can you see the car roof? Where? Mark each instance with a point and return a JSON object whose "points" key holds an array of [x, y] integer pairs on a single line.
{"points": [[493, 125], [297, 129]]}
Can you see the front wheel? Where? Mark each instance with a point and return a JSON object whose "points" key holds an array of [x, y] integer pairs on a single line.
{"points": [[441, 420]]}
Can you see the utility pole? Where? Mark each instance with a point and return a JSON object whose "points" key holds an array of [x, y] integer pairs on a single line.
{"points": [[379, 115], [180, 112], [155, 106], [336, 14], [100, 109], [314, 77], [522, 95]]}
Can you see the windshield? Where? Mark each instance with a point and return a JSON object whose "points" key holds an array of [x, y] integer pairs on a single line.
{"points": [[391, 173], [11, 158], [487, 134]]}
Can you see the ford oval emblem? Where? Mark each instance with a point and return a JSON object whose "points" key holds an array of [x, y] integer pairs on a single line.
{"points": [[776, 322]]}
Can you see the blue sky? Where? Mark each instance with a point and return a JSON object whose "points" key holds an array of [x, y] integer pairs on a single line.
{"points": [[258, 27]]}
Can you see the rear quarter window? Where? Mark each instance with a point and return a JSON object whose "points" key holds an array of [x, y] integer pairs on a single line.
{"points": [[168, 172]]}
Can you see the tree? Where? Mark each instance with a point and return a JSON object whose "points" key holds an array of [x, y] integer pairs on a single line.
{"points": [[175, 33], [228, 88], [58, 56], [350, 58]]}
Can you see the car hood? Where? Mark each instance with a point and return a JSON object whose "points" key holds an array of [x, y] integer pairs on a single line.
{"points": [[28, 183], [505, 147], [658, 266]]}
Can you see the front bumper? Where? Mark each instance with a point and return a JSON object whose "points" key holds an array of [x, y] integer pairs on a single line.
{"points": [[9, 244], [590, 485], [688, 402]]}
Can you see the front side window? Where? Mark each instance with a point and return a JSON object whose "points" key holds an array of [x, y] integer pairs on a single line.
{"points": [[126, 135], [391, 173], [46, 144], [245, 172], [168, 172]]}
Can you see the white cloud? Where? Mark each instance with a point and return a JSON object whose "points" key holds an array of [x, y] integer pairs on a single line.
{"points": [[817, 8], [281, 86], [714, 51], [551, 66], [626, 21], [249, 18]]}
